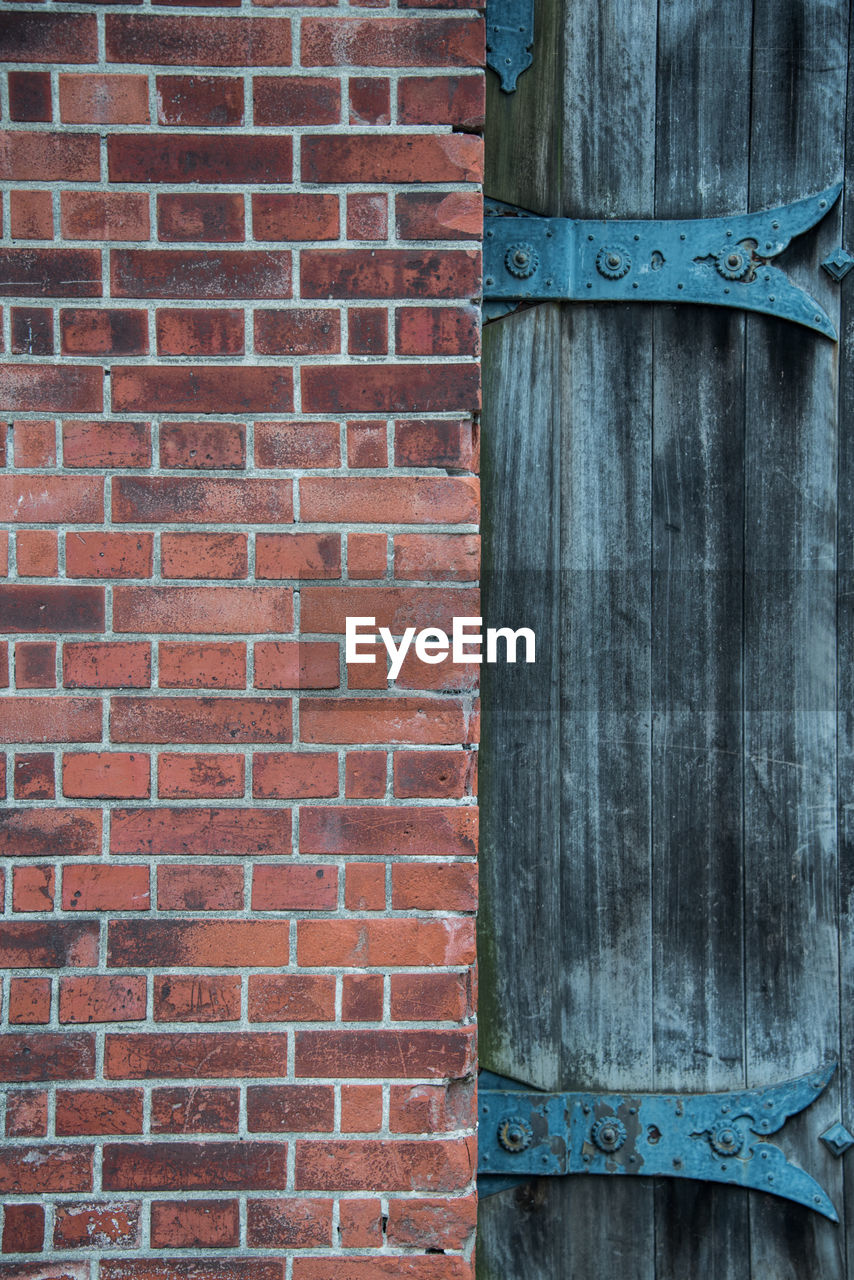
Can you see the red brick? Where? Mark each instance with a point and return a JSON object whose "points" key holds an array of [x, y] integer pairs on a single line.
{"points": [[294, 216], [192, 888], [376, 943], [231, 41], [48, 37], [112, 332], [204, 555], [431, 1108], [439, 886], [102, 999], [430, 997], [228, 1054], [412, 157], [438, 331], [361, 1108], [290, 1108], [23, 1228], [392, 42], [197, 332], [367, 555], [292, 997], [187, 1166], [49, 157], [198, 158], [106, 444], [31, 215], [432, 1224], [367, 331], [390, 388], [379, 1165], [365, 775], [370, 100], [297, 100], [198, 776], [366, 444], [210, 666], [35, 663], [451, 215], [202, 499], [26, 1113], [294, 776], [300, 331], [436, 774], [108, 555], [360, 1224], [33, 887], [107, 775], [197, 216], [106, 1223], [454, 557], [294, 1223], [50, 720], [200, 444], [217, 610], [98, 1111], [404, 720], [193, 273], [226, 944], [124, 665], [196, 832], [30, 96], [196, 1268], [365, 886], [194, 101], [195, 1224], [367, 215], [296, 887], [298, 555], [389, 499], [104, 887], [296, 665], [454, 100], [50, 608], [362, 998], [398, 1267], [28, 833], [198, 998], [48, 944], [297, 444], [104, 215], [220, 389], [41, 387], [198, 1109], [31, 331], [29, 1002], [45, 1168], [103, 99], [33, 780], [389, 273], [45, 1055]]}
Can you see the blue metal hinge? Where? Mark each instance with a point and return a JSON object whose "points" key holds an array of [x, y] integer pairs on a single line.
{"points": [[714, 1137], [509, 36], [722, 262]]}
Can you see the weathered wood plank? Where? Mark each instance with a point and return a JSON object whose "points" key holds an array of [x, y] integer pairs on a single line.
{"points": [[798, 90]]}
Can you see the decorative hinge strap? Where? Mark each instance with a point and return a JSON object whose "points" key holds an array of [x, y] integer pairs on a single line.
{"points": [[715, 1137], [722, 262], [509, 36]]}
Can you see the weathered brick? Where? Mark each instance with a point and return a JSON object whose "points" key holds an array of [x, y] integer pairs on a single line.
{"points": [[186, 1166], [226, 1054], [389, 273], [290, 1108], [196, 999], [29, 1003], [193, 445], [291, 998], [296, 665], [367, 215], [198, 1109], [204, 665], [37, 553], [106, 444], [365, 887], [360, 1224], [441, 886], [23, 1228], [436, 774], [432, 1224], [298, 555], [376, 1165], [27, 156], [397, 1267], [107, 555], [374, 943], [41, 387], [195, 1224], [370, 100], [367, 555], [199, 776], [93, 332], [394, 388], [296, 887], [104, 215], [432, 1108], [191, 888], [206, 41], [437, 331], [26, 1113], [300, 331], [122, 665], [34, 440], [430, 997], [451, 215], [33, 887], [196, 332], [367, 331], [45, 1055], [185, 216], [35, 663], [193, 273], [454, 557], [219, 389], [199, 832], [297, 100], [326, 609], [31, 215], [294, 216], [392, 42], [438, 721], [103, 99], [33, 833], [48, 37], [362, 998], [108, 775], [365, 775], [196, 1268], [227, 944], [48, 944], [30, 97], [45, 1168], [203, 720], [297, 444], [195, 158], [218, 610], [102, 999], [104, 887], [47, 608], [368, 158], [389, 499], [454, 100], [49, 720], [98, 1111], [107, 1223], [31, 334], [193, 101], [294, 1223]]}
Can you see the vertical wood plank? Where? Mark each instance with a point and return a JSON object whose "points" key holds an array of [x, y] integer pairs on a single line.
{"points": [[697, 562], [798, 90]]}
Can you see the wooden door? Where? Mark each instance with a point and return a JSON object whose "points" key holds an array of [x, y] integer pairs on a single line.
{"points": [[667, 871]]}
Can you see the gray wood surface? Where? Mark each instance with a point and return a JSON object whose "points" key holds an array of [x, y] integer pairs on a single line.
{"points": [[663, 912]]}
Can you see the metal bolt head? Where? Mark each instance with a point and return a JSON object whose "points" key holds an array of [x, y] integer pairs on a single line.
{"points": [[837, 1139], [838, 264]]}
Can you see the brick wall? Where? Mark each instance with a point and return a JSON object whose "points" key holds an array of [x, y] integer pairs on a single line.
{"points": [[238, 265]]}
